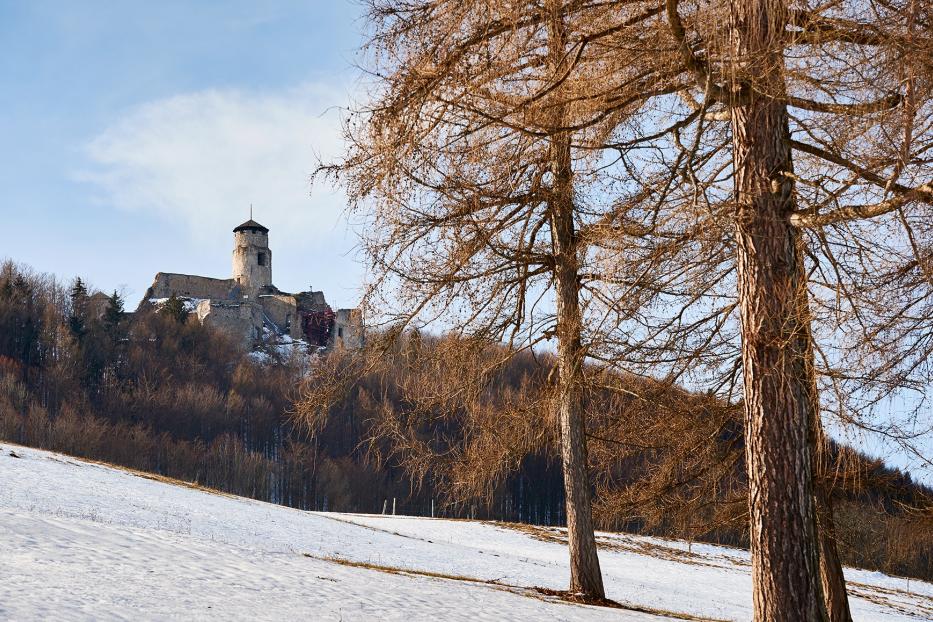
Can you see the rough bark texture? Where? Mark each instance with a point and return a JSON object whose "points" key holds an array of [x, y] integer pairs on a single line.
{"points": [[778, 409], [831, 576], [832, 579], [585, 575]]}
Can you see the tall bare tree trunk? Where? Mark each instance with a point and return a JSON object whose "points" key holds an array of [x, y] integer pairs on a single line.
{"points": [[778, 408], [832, 579], [831, 576], [585, 574]]}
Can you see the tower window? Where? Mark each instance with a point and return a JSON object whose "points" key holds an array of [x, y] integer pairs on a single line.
{"points": [[261, 259]]}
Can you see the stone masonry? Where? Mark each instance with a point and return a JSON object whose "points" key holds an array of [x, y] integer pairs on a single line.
{"points": [[249, 307]]}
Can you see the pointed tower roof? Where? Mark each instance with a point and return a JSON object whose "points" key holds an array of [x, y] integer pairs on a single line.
{"points": [[251, 225]]}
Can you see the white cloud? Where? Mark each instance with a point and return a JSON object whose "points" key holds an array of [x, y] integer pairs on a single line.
{"points": [[202, 158]]}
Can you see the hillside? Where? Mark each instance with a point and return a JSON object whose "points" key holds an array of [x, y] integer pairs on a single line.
{"points": [[86, 541], [175, 398]]}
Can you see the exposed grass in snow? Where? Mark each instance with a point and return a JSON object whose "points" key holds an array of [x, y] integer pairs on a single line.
{"points": [[550, 595], [636, 544], [405, 571], [172, 481], [86, 541]]}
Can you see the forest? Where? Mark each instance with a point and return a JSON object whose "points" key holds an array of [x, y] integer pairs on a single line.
{"points": [[169, 397]]}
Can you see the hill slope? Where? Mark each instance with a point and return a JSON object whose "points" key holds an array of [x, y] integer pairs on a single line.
{"points": [[86, 541]]}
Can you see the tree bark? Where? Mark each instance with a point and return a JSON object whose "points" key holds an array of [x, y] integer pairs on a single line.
{"points": [[832, 579], [831, 576], [585, 574], [778, 408]]}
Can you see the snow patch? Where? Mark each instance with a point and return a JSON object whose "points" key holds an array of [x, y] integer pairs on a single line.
{"points": [[190, 304]]}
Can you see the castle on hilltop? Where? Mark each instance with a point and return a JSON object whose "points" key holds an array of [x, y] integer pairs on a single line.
{"points": [[249, 307]]}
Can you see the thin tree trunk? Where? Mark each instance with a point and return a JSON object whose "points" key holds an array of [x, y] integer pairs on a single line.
{"points": [[831, 576], [585, 574], [778, 409], [833, 581]]}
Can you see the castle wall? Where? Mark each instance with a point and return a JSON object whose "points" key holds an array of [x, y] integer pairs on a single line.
{"points": [[348, 329], [283, 311], [167, 283], [243, 305], [242, 320], [310, 301], [97, 305]]}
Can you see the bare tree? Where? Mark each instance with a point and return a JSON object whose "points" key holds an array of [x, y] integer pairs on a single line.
{"points": [[756, 130], [585, 575], [778, 413], [758, 74], [471, 154]]}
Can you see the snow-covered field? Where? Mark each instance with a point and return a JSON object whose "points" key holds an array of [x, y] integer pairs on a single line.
{"points": [[81, 541]]}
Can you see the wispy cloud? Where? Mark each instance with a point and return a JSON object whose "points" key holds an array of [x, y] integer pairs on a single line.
{"points": [[201, 158]]}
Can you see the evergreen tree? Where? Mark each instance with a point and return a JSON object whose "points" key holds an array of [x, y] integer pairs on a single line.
{"points": [[77, 320], [114, 332], [113, 314], [6, 288], [23, 341], [174, 308]]}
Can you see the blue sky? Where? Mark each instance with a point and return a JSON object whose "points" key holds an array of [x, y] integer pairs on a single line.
{"points": [[135, 135]]}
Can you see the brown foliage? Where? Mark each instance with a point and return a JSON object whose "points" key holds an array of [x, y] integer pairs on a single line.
{"points": [[473, 425]]}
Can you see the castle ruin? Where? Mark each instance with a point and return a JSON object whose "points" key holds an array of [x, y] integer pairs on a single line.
{"points": [[250, 308]]}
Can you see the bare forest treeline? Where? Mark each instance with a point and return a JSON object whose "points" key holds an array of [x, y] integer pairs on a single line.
{"points": [[469, 422], [410, 423]]}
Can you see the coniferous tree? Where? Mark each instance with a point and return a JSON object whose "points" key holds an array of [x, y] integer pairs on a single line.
{"points": [[22, 340], [113, 314], [77, 321], [472, 157], [174, 308]]}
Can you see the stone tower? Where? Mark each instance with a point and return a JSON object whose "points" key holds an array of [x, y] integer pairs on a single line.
{"points": [[252, 259]]}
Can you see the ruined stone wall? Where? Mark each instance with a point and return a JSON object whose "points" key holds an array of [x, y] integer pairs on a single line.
{"points": [[240, 320], [282, 310], [241, 310], [348, 329], [167, 283], [97, 305], [310, 301]]}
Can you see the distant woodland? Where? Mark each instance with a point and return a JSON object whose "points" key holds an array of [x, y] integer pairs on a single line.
{"points": [[382, 427]]}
